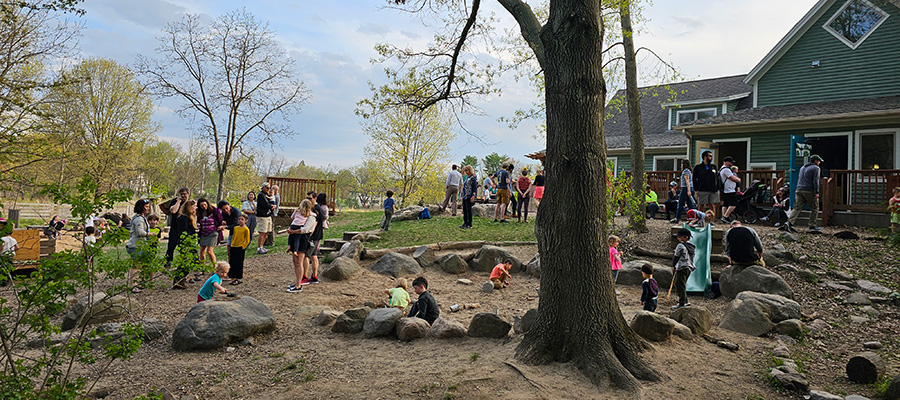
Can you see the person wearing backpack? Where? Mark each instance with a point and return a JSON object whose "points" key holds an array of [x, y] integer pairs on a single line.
{"points": [[729, 191], [706, 183]]}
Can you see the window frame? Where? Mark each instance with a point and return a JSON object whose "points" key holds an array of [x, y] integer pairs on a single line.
{"points": [[844, 40], [678, 113], [874, 132], [674, 158]]}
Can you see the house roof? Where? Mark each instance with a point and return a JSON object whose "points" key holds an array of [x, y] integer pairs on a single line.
{"points": [[655, 118], [879, 109], [788, 40]]}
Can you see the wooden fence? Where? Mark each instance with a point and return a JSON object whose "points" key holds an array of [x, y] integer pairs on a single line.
{"points": [[46, 211], [293, 190], [858, 190]]}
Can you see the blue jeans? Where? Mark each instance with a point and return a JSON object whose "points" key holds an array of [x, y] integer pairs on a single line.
{"points": [[650, 305], [683, 199]]}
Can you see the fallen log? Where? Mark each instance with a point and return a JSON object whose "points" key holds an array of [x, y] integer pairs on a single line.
{"points": [[377, 253]]}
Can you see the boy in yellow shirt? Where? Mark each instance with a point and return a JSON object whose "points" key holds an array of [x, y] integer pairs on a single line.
{"points": [[236, 250]]}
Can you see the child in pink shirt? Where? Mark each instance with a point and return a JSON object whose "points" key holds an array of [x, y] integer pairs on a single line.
{"points": [[615, 258]]}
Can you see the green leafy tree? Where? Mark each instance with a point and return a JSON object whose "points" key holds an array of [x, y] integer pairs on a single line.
{"points": [[491, 162], [237, 82], [469, 160]]}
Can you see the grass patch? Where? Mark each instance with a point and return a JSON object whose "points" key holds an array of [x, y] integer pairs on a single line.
{"points": [[474, 357], [881, 387]]}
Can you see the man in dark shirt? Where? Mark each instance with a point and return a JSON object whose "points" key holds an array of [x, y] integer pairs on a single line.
{"points": [[265, 206], [742, 245], [502, 194], [426, 307], [706, 183]]}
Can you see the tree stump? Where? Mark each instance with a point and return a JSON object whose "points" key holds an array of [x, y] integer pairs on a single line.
{"points": [[865, 367]]}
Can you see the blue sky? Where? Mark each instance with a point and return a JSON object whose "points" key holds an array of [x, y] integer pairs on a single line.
{"points": [[332, 43]]}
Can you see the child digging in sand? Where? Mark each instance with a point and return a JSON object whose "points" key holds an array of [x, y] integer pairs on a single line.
{"points": [[399, 297], [214, 283]]}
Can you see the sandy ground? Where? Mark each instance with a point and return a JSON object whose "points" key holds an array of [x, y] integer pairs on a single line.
{"points": [[301, 360]]}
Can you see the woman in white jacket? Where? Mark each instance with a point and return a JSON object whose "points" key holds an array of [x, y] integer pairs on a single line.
{"points": [[303, 222]]}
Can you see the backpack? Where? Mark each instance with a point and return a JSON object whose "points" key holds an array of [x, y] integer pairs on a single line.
{"points": [[720, 183], [425, 214]]}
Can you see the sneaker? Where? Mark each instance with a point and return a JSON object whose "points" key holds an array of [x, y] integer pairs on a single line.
{"points": [[314, 279], [764, 219], [724, 220], [261, 250], [304, 281], [462, 227], [673, 221], [677, 306], [618, 292], [777, 224], [504, 221], [294, 289], [495, 219], [815, 229]]}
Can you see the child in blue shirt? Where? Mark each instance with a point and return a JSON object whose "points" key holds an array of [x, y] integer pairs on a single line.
{"points": [[214, 282], [649, 289], [389, 208]]}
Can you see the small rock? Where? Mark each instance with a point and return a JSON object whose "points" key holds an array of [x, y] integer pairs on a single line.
{"points": [[866, 367], [471, 306], [728, 345], [523, 324], [837, 286], [790, 327], [858, 320], [855, 397], [462, 281], [778, 247], [424, 255], [326, 317], [818, 326], [871, 311], [870, 286], [841, 275], [874, 345], [788, 366], [793, 382], [820, 395], [699, 319], [342, 269], [682, 331], [444, 328], [248, 342], [803, 259], [847, 235], [781, 351], [808, 275], [381, 322], [230, 349], [453, 264], [857, 298], [370, 304], [879, 300], [893, 391], [351, 321], [788, 237], [787, 267], [412, 328]]}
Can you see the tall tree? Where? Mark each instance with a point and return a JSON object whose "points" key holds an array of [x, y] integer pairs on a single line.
{"points": [[470, 160], [236, 81], [109, 113], [593, 335], [491, 162], [636, 219]]}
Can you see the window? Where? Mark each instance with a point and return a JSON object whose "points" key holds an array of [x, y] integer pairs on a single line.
{"points": [[693, 115], [876, 151], [855, 21], [666, 163]]}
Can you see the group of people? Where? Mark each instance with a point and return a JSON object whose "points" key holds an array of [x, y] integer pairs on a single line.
{"points": [[517, 193], [698, 191]]}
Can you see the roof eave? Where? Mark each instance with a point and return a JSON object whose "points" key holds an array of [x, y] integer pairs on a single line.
{"points": [[830, 121], [717, 100]]}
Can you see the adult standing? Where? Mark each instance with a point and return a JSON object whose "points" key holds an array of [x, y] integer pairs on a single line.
{"points": [[807, 193], [470, 188], [172, 207], [742, 245], [264, 208], [706, 183], [524, 190], [209, 222], [502, 194], [140, 230], [185, 225], [513, 201], [729, 191], [538, 188], [651, 200], [276, 198], [249, 207], [321, 210], [685, 198], [230, 217], [451, 189]]}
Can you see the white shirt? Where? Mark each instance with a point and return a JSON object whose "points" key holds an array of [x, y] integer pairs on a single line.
{"points": [[89, 221], [730, 185], [9, 244], [454, 178]]}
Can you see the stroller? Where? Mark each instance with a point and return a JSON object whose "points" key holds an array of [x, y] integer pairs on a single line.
{"points": [[750, 213]]}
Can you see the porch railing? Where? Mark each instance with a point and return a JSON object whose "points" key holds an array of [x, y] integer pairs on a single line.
{"points": [[659, 181], [293, 190], [858, 190]]}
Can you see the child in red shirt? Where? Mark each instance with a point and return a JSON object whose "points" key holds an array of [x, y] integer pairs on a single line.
{"points": [[500, 274]]}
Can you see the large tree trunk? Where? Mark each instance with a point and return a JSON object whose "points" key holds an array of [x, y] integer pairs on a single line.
{"points": [[579, 320], [636, 220]]}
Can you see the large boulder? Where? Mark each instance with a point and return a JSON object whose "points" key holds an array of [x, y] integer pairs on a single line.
{"points": [[533, 267], [749, 317], [396, 265], [630, 274], [381, 322], [523, 324], [351, 321], [652, 326], [342, 269], [412, 213], [484, 210], [488, 325], [778, 307], [698, 319], [97, 309], [454, 264], [487, 257], [893, 390], [213, 324], [412, 328], [752, 278], [424, 255], [352, 249], [445, 328]]}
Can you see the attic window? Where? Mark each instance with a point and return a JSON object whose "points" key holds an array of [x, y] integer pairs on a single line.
{"points": [[693, 115], [855, 21]]}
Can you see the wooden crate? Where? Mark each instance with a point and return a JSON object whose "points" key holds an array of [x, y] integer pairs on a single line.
{"points": [[32, 247]]}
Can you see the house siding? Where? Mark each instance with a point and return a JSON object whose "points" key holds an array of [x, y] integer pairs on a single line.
{"points": [[844, 73]]}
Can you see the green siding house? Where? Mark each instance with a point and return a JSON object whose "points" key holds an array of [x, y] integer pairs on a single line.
{"points": [[831, 87]]}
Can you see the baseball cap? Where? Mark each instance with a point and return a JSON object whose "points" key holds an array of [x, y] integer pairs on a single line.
{"points": [[265, 184], [816, 157], [728, 159], [672, 183]]}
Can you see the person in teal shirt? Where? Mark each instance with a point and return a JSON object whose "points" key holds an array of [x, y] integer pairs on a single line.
{"points": [[214, 282]]}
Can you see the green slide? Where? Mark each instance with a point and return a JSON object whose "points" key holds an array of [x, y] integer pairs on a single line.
{"points": [[701, 279]]}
